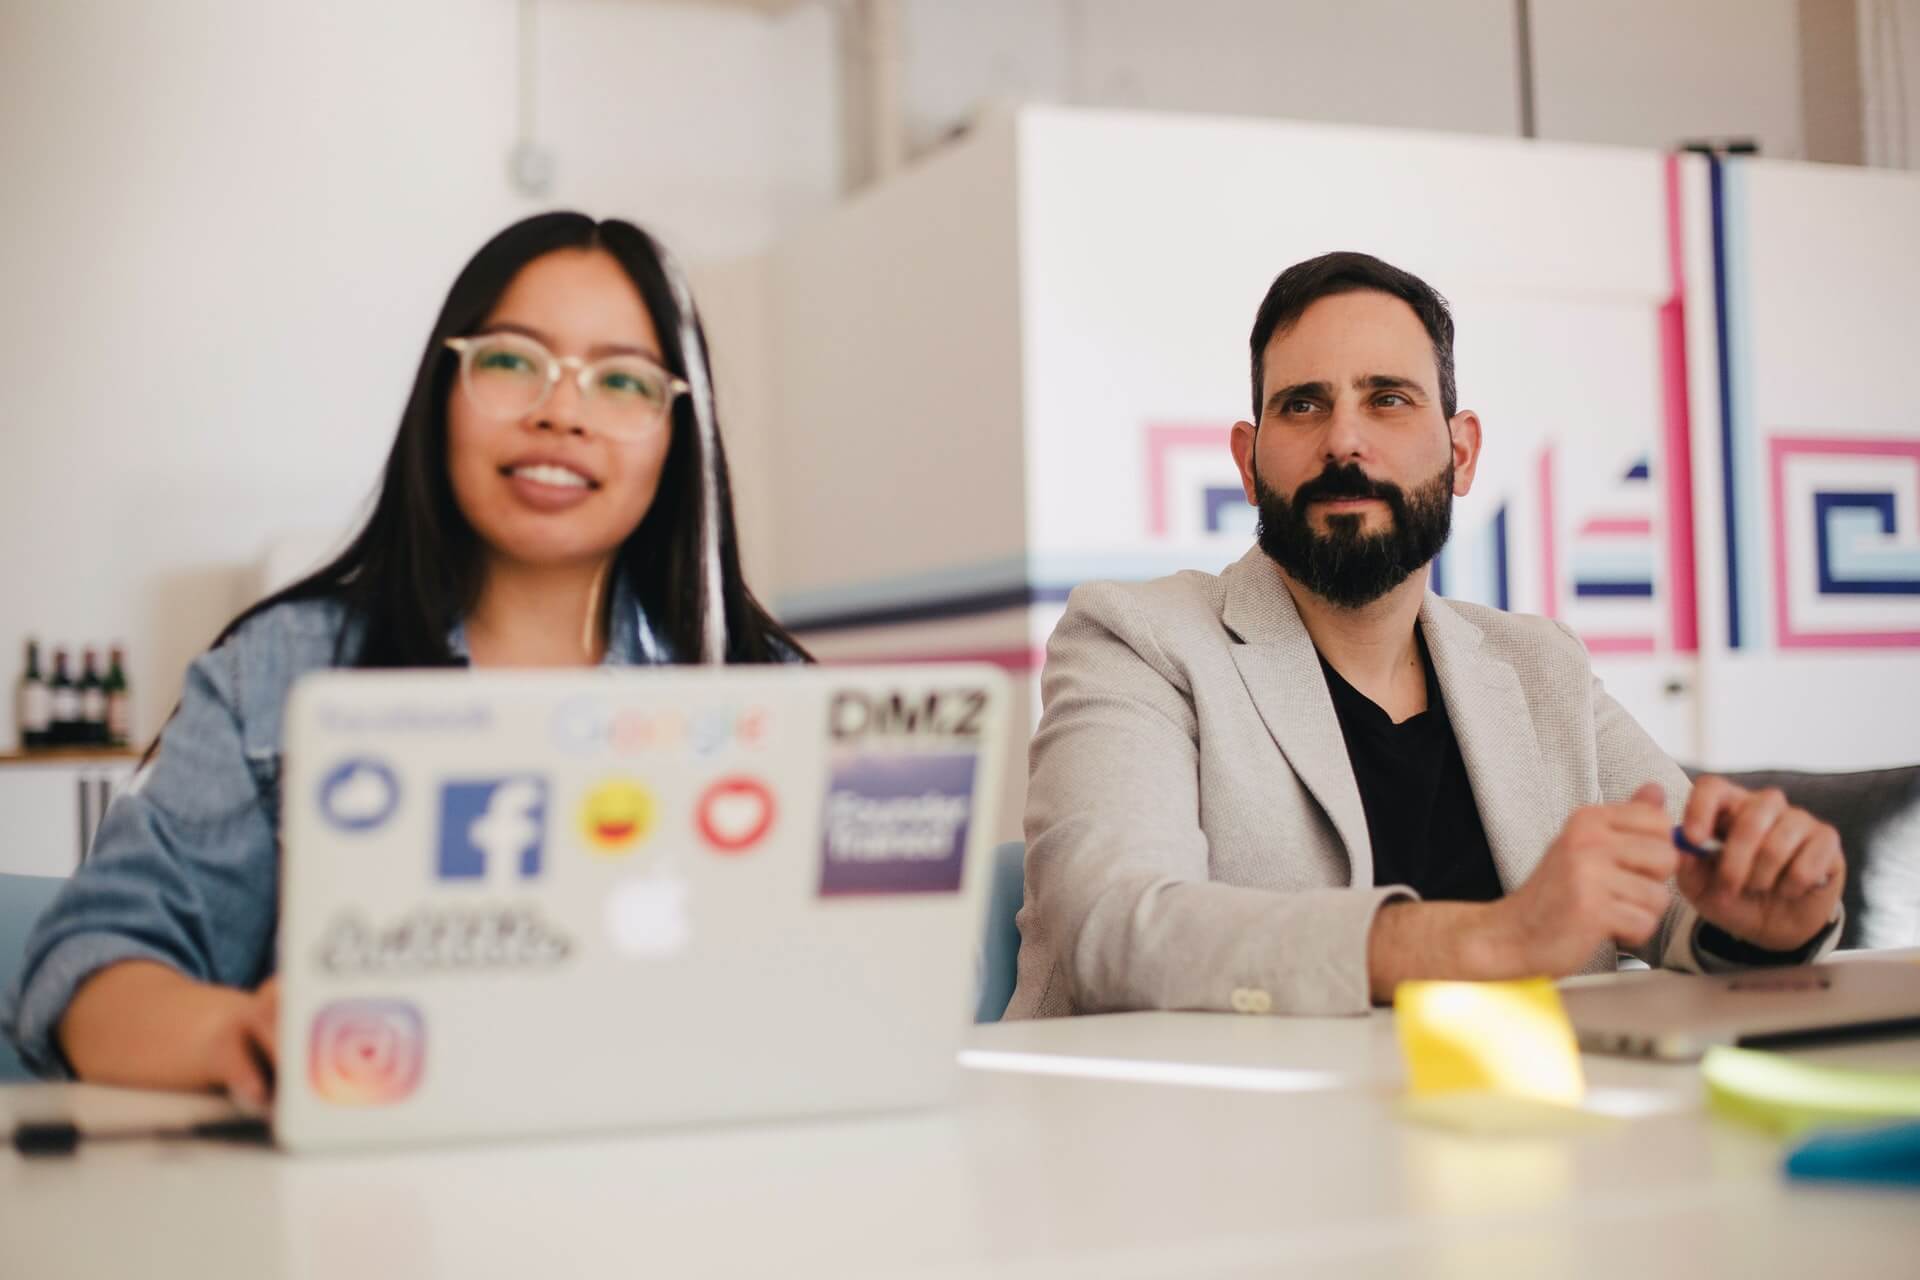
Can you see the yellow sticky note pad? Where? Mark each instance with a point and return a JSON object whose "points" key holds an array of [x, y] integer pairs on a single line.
{"points": [[1508, 1039]]}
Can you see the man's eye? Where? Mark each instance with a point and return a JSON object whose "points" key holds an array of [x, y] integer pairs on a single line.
{"points": [[1392, 399], [1298, 406]]}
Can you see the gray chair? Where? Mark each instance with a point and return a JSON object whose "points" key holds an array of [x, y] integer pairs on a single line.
{"points": [[1877, 813], [1000, 943], [22, 900]]}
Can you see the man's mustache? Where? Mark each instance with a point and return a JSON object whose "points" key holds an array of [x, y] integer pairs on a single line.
{"points": [[1347, 480]]}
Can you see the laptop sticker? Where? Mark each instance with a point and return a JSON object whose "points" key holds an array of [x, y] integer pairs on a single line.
{"points": [[597, 726], [616, 817], [444, 940], [367, 1052], [648, 916], [896, 823], [493, 829], [735, 814], [359, 794]]}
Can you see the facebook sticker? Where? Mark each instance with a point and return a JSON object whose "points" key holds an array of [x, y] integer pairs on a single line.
{"points": [[493, 830]]}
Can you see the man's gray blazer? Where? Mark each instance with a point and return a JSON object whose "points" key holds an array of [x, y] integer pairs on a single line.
{"points": [[1195, 838]]}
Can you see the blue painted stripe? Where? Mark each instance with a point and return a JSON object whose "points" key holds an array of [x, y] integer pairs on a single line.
{"points": [[1745, 436], [1607, 589], [1728, 498], [1502, 594], [1841, 522]]}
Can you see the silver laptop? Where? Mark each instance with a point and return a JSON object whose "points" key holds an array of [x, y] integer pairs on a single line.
{"points": [[1680, 1016], [549, 902]]}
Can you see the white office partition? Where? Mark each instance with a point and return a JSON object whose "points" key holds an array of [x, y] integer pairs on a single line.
{"points": [[1015, 367], [1147, 243], [1807, 449]]}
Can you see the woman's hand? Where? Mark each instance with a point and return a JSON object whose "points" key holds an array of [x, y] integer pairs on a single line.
{"points": [[144, 1025]]}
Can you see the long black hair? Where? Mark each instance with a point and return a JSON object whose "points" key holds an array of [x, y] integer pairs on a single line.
{"points": [[416, 566]]}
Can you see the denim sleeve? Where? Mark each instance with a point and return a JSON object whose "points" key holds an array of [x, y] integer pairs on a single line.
{"points": [[184, 870]]}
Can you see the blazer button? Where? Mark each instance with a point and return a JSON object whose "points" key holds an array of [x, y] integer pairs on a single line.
{"points": [[1251, 1000]]}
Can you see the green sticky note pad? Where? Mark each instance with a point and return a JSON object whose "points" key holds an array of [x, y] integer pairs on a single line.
{"points": [[1787, 1096]]}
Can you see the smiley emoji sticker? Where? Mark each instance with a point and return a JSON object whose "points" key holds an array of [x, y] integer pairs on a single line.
{"points": [[617, 815]]}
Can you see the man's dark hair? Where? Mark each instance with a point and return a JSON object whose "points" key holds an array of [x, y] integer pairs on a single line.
{"points": [[1305, 283]]}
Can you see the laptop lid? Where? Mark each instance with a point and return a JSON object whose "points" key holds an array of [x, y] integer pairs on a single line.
{"points": [[1681, 1016], [543, 902]]}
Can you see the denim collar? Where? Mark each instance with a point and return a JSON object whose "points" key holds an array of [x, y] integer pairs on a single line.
{"points": [[631, 639]]}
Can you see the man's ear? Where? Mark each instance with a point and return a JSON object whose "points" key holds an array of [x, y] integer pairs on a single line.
{"points": [[1241, 441], [1463, 429]]}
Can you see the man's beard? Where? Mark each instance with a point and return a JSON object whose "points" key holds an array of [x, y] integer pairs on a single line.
{"points": [[1345, 566]]}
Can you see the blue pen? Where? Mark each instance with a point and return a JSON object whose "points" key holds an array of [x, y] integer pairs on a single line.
{"points": [[1710, 849]]}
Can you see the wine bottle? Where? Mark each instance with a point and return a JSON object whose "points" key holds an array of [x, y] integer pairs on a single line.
{"points": [[119, 704], [63, 704], [32, 703], [93, 704]]}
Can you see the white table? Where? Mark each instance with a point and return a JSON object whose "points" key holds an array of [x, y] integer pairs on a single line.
{"points": [[1027, 1174]]}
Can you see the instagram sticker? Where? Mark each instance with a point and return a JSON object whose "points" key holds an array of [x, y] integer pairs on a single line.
{"points": [[367, 1053]]}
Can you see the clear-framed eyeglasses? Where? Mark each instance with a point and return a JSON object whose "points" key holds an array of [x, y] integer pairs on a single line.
{"points": [[510, 375]]}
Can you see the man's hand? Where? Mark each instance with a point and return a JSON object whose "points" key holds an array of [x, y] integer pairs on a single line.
{"points": [[1603, 880], [1779, 871]]}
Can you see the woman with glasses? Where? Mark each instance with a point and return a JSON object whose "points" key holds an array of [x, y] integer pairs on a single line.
{"points": [[556, 496]]}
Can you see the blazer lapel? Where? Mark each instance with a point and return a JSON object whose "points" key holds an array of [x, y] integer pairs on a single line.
{"points": [[1494, 727], [1281, 670]]}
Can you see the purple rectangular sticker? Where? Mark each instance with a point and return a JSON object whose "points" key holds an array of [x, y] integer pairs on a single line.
{"points": [[896, 823]]}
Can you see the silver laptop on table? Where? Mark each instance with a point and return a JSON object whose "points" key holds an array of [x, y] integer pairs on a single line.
{"points": [[1680, 1016], [548, 902]]}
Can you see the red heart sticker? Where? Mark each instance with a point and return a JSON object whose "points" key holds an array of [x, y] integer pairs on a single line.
{"points": [[735, 814]]}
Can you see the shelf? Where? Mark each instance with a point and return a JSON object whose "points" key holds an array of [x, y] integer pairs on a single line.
{"points": [[72, 755]]}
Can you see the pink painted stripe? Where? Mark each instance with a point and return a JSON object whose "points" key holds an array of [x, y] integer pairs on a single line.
{"points": [[1779, 448], [1617, 644], [1617, 526], [1783, 445], [1550, 571], [1027, 659], [1682, 584], [1162, 440], [1851, 640]]}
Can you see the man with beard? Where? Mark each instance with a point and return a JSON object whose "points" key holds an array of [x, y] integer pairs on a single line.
{"points": [[1290, 786]]}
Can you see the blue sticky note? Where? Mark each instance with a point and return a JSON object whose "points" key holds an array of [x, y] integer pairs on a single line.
{"points": [[1890, 1155]]}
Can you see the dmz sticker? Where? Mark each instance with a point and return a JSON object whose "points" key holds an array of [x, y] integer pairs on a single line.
{"points": [[896, 823], [367, 1052], [492, 829], [359, 794]]}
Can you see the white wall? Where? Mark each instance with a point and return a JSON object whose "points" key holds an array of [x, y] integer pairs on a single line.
{"points": [[1889, 32], [225, 227], [1634, 72], [1652, 73], [1439, 64]]}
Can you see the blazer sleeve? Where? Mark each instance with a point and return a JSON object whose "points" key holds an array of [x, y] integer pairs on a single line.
{"points": [[1117, 865], [1629, 758]]}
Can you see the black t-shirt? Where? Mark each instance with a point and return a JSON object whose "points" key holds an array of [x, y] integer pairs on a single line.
{"points": [[1413, 785]]}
